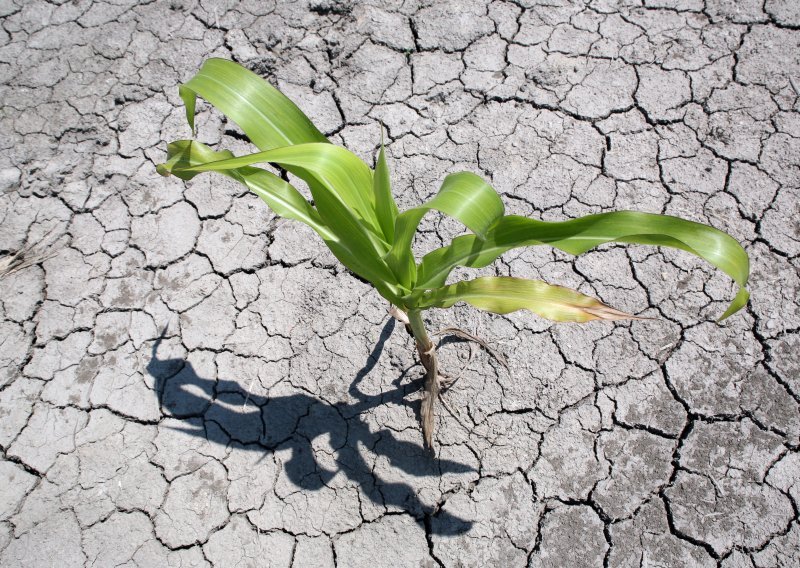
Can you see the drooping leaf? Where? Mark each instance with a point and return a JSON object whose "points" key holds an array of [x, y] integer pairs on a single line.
{"points": [[282, 198], [502, 295], [580, 235], [185, 156], [463, 196], [265, 114], [325, 168]]}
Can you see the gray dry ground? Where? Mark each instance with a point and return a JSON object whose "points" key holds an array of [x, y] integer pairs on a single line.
{"points": [[275, 424]]}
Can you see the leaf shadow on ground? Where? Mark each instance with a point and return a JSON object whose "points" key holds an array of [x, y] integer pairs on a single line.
{"points": [[293, 422]]}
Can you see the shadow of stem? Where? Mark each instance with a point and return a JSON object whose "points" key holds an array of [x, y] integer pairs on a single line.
{"points": [[293, 422]]}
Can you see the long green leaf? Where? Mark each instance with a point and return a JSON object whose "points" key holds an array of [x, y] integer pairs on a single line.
{"points": [[465, 197], [502, 295], [385, 206], [285, 200], [185, 156], [338, 181], [333, 168], [265, 114], [580, 235]]}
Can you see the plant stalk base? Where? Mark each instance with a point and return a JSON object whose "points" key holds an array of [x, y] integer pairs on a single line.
{"points": [[433, 386], [431, 389]]}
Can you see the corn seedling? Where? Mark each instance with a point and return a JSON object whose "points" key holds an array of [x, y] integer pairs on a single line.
{"points": [[354, 213]]}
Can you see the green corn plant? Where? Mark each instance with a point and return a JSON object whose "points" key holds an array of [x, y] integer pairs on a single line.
{"points": [[354, 213]]}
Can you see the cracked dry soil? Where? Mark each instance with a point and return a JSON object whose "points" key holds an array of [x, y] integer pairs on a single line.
{"points": [[188, 381]]}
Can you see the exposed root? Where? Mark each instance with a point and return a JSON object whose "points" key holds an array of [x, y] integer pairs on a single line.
{"points": [[434, 384], [454, 414], [29, 255], [447, 382], [499, 357]]}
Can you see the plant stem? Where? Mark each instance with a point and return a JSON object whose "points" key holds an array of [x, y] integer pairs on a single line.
{"points": [[427, 355]]}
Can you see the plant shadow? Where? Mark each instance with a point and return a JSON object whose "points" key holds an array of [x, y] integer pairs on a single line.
{"points": [[294, 421]]}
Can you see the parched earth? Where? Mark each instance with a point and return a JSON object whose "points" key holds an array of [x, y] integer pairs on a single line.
{"points": [[187, 380]]}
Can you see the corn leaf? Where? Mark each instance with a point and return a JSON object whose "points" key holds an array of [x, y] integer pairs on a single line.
{"points": [[580, 235], [463, 196], [265, 114], [285, 200], [502, 295], [185, 159], [325, 168], [337, 180], [385, 206]]}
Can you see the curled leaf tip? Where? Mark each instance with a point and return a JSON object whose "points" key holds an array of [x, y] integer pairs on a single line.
{"points": [[605, 312], [740, 301], [163, 170]]}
